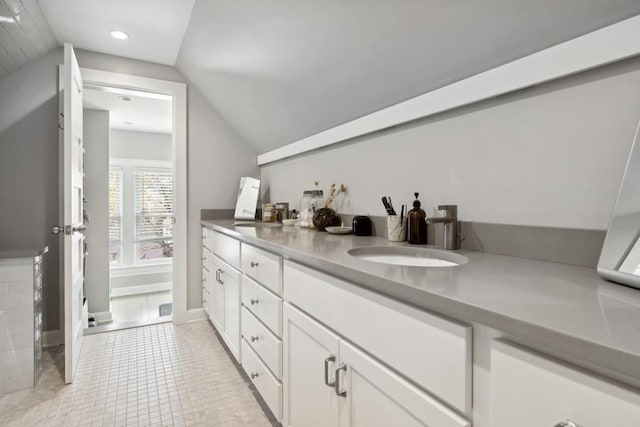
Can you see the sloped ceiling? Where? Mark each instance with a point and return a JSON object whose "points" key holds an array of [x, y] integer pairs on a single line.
{"points": [[155, 27], [25, 35], [281, 71]]}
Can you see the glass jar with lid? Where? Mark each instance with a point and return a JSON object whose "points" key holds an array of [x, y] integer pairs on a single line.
{"points": [[311, 200], [269, 213]]}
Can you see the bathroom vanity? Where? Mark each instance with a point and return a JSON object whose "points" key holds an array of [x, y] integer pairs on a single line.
{"points": [[330, 339]]}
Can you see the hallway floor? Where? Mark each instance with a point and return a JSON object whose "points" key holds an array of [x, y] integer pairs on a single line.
{"points": [[158, 375], [141, 308]]}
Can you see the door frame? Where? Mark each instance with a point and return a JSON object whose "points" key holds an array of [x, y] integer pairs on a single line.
{"points": [[179, 151]]}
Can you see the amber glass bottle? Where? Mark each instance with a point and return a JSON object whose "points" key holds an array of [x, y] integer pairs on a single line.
{"points": [[417, 224]]}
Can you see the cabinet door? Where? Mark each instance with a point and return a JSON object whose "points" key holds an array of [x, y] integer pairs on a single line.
{"points": [[216, 296], [231, 287], [374, 396], [308, 400]]}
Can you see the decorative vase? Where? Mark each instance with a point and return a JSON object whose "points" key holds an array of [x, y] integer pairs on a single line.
{"points": [[325, 217]]}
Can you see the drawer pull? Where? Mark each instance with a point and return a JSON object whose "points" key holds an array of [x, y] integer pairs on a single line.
{"points": [[254, 264], [254, 338], [254, 376], [331, 358], [254, 301], [567, 423], [220, 277], [341, 367]]}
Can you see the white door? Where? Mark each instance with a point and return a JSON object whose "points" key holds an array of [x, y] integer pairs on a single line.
{"points": [[71, 226], [309, 360], [374, 396]]}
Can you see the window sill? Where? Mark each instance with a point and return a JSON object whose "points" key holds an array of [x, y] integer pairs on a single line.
{"points": [[141, 269]]}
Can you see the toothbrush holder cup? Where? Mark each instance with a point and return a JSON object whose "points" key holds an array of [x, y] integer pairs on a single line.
{"points": [[396, 228]]}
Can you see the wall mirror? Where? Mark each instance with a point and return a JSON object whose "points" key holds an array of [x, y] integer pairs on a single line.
{"points": [[247, 198], [620, 256]]}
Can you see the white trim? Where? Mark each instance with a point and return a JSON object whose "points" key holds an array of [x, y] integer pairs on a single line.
{"points": [[144, 163], [178, 91], [51, 338], [196, 315], [613, 43], [140, 270], [103, 317], [140, 289]]}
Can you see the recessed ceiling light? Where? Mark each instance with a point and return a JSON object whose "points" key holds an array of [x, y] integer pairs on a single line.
{"points": [[120, 35], [7, 19], [128, 123], [126, 98]]}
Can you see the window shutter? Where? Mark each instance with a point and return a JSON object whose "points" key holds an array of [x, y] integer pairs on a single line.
{"points": [[115, 205], [153, 205]]}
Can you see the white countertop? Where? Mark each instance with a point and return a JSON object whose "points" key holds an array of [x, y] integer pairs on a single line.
{"points": [[563, 308]]}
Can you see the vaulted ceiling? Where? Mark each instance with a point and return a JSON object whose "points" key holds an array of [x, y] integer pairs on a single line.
{"points": [[281, 71]]}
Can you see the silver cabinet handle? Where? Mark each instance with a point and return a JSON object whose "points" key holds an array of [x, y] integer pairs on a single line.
{"points": [[567, 423], [254, 375], [220, 277], [331, 358], [254, 264], [254, 301], [254, 338], [81, 228], [341, 367]]}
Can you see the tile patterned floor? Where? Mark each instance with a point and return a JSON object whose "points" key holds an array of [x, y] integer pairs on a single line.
{"points": [[158, 375], [139, 308]]}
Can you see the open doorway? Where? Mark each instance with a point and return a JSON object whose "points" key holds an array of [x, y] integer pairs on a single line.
{"points": [[139, 206]]}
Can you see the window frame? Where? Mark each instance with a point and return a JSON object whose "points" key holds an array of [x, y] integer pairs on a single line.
{"points": [[129, 246]]}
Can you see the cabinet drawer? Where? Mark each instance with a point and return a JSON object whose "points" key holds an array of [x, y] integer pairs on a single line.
{"points": [[263, 266], [431, 351], [224, 247], [266, 306], [265, 344], [269, 387], [538, 391]]}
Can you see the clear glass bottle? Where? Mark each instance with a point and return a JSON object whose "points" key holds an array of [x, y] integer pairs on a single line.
{"points": [[311, 200]]}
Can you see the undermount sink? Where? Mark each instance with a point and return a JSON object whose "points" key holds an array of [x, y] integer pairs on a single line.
{"points": [[257, 224], [408, 256]]}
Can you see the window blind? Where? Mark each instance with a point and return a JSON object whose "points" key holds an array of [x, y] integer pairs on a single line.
{"points": [[153, 205], [115, 205]]}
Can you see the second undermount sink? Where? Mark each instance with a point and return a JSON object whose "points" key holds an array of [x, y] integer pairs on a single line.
{"points": [[408, 256]]}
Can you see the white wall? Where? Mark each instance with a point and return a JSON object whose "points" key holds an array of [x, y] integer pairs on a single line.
{"points": [[29, 168], [96, 162], [140, 145], [552, 155], [217, 156]]}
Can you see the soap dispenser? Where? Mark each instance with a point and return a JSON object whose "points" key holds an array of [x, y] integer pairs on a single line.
{"points": [[417, 224]]}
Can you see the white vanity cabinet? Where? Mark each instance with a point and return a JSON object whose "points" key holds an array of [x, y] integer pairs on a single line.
{"points": [[262, 323], [221, 288], [532, 390], [330, 382]]}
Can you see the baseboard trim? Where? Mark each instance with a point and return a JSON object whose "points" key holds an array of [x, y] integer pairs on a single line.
{"points": [[51, 338], [103, 316], [196, 315], [141, 289]]}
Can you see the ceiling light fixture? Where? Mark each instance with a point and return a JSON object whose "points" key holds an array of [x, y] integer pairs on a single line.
{"points": [[120, 35], [126, 98], [128, 123], [6, 19]]}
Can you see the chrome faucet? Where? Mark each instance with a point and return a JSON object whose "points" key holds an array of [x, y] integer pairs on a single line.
{"points": [[451, 233]]}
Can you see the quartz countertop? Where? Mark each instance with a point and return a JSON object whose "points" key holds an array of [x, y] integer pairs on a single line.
{"points": [[562, 309], [23, 253]]}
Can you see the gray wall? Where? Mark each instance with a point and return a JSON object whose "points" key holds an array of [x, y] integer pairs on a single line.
{"points": [[552, 155], [140, 145], [218, 157], [29, 168], [96, 190]]}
